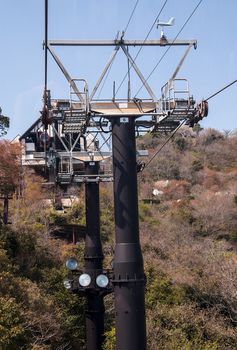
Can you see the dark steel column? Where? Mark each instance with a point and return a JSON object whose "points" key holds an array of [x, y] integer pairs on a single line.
{"points": [[93, 261], [129, 279]]}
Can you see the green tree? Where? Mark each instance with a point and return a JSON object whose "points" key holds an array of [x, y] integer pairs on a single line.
{"points": [[11, 329], [4, 124]]}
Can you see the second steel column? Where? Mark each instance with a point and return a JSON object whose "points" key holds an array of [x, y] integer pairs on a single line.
{"points": [[93, 261], [129, 279]]}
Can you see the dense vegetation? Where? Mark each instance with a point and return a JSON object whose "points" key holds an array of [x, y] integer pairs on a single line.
{"points": [[189, 238], [4, 123]]}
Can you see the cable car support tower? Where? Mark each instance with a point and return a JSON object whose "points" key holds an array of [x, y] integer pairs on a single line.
{"points": [[74, 127]]}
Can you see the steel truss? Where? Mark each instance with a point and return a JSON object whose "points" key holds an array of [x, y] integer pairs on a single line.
{"points": [[81, 123]]}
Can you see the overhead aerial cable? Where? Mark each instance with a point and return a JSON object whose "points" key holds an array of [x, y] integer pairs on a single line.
{"points": [[219, 91], [162, 57], [45, 111], [46, 47], [123, 33], [131, 16], [155, 21], [142, 166], [145, 165]]}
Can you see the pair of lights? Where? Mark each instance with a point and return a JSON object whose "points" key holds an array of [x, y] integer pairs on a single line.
{"points": [[102, 281]]}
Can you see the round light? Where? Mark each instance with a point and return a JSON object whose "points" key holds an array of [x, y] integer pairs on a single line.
{"points": [[102, 281], [85, 280], [67, 284], [71, 264]]}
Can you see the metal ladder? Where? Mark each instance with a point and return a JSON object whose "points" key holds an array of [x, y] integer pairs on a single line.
{"points": [[176, 101], [74, 118]]}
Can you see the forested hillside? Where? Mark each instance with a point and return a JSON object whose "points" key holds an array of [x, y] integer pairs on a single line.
{"points": [[188, 228]]}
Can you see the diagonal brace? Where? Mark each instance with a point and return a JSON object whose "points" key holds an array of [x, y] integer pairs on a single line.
{"points": [[177, 69], [140, 75], [108, 65], [66, 74]]}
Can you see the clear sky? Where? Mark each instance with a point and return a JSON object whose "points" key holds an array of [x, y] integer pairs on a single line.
{"points": [[208, 68]]}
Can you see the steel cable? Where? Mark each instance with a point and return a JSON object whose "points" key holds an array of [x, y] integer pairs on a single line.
{"points": [[156, 19], [125, 30], [131, 16], [163, 145], [219, 91], [168, 139]]}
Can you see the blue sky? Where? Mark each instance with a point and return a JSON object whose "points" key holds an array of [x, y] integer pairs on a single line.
{"points": [[208, 68]]}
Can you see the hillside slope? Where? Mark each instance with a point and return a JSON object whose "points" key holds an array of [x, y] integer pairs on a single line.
{"points": [[188, 228], [189, 241]]}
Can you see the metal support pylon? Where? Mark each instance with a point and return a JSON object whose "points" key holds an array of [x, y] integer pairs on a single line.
{"points": [[93, 261], [128, 279]]}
